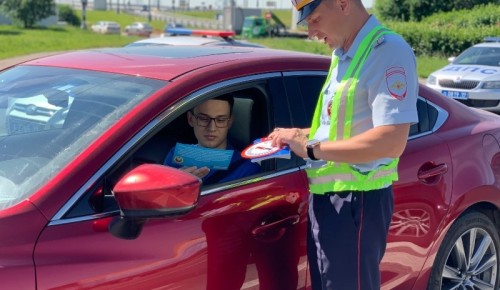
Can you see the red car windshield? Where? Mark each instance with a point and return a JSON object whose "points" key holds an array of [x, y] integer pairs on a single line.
{"points": [[50, 115]]}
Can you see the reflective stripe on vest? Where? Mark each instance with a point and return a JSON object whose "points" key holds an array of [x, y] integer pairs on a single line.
{"points": [[341, 176]]}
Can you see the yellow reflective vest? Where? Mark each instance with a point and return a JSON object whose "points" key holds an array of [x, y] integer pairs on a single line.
{"points": [[335, 176]]}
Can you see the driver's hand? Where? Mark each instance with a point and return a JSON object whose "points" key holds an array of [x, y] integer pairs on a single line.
{"points": [[199, 172]]}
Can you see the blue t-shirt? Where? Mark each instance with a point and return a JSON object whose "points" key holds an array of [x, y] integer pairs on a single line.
{"points": [[238, 168]]}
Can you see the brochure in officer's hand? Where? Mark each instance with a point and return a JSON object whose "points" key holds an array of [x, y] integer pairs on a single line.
{"points": [[261, 149], [194, 155]]}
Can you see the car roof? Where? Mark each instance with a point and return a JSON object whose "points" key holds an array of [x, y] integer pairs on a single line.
{"points": [[179, 40], [170, 62], [192, 40]]}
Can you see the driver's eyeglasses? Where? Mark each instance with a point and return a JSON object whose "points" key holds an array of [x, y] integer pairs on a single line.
{"points": [[204, 121]]}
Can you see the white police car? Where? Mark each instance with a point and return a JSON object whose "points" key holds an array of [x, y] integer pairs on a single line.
{"points": [[473, 77]]}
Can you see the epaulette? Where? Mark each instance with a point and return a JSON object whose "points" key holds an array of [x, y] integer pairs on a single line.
{"points": [[379, 41]]}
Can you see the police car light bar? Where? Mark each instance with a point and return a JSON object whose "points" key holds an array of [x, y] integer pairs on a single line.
{"points": [[492, 39], [186, 31], [179, 31]]}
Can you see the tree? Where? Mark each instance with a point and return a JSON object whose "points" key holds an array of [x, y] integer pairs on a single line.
{"points": [[66, 13], [29, 12]]}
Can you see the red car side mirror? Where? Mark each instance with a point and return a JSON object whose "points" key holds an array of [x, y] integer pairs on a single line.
{"points": [[152, 191]]}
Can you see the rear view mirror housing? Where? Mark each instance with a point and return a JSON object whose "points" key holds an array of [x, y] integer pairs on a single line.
{"points": [[152, 191]]}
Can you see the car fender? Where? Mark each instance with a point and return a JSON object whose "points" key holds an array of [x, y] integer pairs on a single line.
{"points": [[19, 230], [480, 198], [467, 202]]}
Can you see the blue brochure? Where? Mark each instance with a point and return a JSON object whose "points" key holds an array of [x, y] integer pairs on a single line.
{"points": [[194, 155]]}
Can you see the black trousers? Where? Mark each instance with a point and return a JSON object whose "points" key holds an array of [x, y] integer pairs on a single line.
{"points": [[347, 238]]}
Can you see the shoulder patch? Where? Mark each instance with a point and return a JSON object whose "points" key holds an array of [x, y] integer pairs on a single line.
{"points": [[395, 79]]}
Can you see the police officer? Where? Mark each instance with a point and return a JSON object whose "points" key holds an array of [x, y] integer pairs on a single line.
{"points": [[359, 130]]}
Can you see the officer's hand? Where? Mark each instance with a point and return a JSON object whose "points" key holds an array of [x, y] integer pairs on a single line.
{"points": [[293, 137]]}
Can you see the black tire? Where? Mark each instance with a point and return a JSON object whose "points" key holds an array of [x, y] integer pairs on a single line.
{"points": [[469, 272]]}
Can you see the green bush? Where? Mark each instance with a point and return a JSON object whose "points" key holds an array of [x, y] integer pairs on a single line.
{"points": [[415, 10], [480, 16], [448, 34], [66, 13]]}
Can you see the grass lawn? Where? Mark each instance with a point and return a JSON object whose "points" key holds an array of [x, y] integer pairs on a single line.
{"points": [[426, 65], [123, 19], [17, 41]]}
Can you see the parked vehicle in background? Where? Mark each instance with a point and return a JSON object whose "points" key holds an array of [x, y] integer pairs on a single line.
{"points": [[85, 202], [106, 27], [268, 26], [473, 77], [258, 26], [185, 36], [139, 28]]}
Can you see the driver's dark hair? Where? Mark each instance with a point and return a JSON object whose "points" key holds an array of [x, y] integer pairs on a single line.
{"points": [[228, 98]]}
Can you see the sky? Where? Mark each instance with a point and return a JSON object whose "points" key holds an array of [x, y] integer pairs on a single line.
{"points": [[368, 3]]}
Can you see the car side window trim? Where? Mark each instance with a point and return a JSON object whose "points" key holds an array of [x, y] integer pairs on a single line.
{"points": [[59, 216], [442, 116], [305, 73], [266, 176]]}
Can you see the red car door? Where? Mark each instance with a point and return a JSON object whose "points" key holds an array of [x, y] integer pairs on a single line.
{"points": [[248, 234], [248, 237], [421, 196]]}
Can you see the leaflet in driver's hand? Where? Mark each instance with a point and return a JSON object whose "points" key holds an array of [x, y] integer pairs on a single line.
{"points": [[194, 155], [261, 149]]}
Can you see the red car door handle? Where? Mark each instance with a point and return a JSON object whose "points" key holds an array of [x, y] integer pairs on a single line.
{"points": [[274, 230], [435, 171]]}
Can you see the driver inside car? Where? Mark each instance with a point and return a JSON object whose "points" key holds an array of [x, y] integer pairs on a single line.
{"points": [[211, 121]]}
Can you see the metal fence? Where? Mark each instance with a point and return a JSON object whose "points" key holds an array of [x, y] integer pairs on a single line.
{"points": [[164, 14]]}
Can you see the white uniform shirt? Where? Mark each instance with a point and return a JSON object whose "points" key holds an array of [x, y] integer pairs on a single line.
{"points": [[386, 93]]}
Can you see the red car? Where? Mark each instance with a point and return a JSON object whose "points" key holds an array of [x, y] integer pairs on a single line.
{"points": [[86, 204]]}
